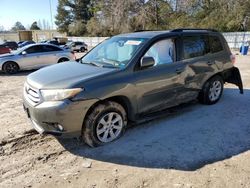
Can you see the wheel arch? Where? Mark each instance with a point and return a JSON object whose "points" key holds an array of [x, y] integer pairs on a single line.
{"points": [[217, 74], [63, 57], [122, 100]]}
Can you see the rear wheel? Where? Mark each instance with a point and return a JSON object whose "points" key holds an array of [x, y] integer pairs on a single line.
{"points": [[83, 49], [212, 91], [104, 124], [10, 67]]}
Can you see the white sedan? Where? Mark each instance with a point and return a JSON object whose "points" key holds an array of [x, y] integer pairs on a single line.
{"points": [[34, 56]]}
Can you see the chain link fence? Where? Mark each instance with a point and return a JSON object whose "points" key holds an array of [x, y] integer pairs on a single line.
{"points": [[236, 39]]}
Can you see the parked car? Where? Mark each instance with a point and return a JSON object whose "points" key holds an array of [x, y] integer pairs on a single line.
{"points": [[127, 78], [4, 49], [25, 43], [11, 44], [55, 42], [20, 42], [77, 46], [33, 56]]}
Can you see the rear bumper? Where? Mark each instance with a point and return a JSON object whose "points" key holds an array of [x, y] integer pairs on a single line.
{"points": [[59, 118]]}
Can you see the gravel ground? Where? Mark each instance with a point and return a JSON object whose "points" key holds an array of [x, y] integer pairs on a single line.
{"points": [[194, 146]]}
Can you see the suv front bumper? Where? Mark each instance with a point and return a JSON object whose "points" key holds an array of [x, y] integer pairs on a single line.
{"points": [[59, 118]]}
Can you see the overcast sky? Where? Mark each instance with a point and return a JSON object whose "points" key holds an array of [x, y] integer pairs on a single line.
{"points": [[26, 11]]}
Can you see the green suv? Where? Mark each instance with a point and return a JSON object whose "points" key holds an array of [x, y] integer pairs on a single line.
{"points": [[127, 78]]}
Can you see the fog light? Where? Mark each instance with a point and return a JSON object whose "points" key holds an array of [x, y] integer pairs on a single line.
{"points": [[56, 126]]}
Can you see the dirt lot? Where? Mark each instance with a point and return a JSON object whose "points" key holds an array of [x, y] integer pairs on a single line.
{"points": [[194, 146]]}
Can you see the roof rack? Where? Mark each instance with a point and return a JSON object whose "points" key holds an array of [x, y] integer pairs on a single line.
{"points": [[143, 30], [191, 29]]}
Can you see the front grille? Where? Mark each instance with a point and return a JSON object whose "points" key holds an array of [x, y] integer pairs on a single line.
{"points": [[32, 94]]}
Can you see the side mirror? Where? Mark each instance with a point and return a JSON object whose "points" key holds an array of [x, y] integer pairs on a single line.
{"points": [[147, 62], [24, 53]]}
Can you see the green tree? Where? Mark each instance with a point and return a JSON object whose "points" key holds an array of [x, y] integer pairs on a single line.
{"points": [[72, 13], [34, 26], [80, 9], [63, 17], [77, 28], [110, 17], [18, 26]]}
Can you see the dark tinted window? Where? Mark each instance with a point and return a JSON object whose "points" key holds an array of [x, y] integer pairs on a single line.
{"points": [[11, 43], [215, 44], [78, 43], [34, 49], [47, 48], [195, 46]]}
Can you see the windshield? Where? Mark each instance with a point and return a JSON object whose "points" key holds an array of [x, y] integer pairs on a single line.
{"points": [[115, 52], [19, 50], [68, 44]]}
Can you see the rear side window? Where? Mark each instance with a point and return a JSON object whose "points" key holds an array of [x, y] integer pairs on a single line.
{"points": [[215, 44], [195, 46], [47, 48], [78, 43], [34, 49]]}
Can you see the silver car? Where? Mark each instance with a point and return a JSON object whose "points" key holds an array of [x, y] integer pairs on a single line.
{"points": [[34, 56], [77, 46]]}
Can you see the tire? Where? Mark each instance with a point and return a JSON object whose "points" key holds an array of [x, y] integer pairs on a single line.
{"points": [[101, 121], [212, 91], [62, 60], [83, 49], [10, 67]]}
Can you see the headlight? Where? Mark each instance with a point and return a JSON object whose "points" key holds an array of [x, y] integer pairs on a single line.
{"points": [[59, 94]]}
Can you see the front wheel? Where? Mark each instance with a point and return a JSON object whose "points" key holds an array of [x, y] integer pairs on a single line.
{"points": [[212, 91], [104, 124], [10, 67]]}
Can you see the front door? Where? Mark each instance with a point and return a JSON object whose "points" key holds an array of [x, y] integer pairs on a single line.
{"points": [[156, 86], [32, 58]]}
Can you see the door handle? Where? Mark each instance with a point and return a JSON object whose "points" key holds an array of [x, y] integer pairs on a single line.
{"points": [[179, 70]]}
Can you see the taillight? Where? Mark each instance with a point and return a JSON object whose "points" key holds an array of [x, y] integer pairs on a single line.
{"points": [[233, 59]]}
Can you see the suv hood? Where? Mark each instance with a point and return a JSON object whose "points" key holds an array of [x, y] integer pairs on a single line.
{"points": [[64, 75]]}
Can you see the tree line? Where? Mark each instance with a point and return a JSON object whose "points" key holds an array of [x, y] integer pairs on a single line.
{"points": [[110, 17], [40, 25]]}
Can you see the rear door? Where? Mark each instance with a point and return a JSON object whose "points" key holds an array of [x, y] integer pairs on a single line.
{"points": [[200, 63], [78, 45], [74, 46], [50, 54]]}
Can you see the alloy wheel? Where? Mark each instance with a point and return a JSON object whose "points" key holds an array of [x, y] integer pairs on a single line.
{"points": [[215, 90], [109, 127]]}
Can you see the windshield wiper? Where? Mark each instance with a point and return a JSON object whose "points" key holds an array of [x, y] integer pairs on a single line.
{"points": [[92, 63]]}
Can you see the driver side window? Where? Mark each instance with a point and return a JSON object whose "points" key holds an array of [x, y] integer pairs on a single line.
{"points": [[162, 52]]}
